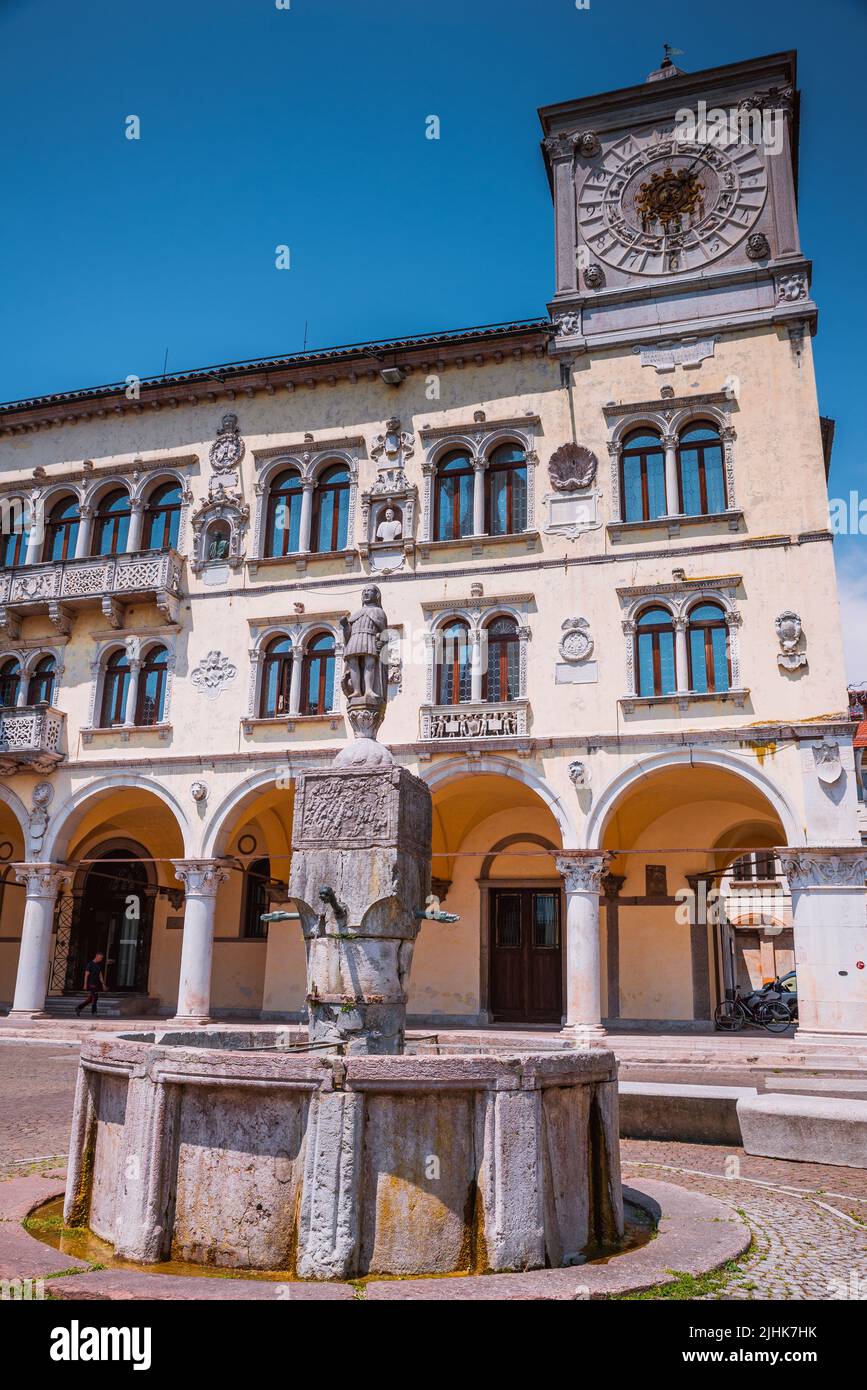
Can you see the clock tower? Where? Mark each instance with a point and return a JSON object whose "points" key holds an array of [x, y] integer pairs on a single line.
{"points": [[675, 207]]}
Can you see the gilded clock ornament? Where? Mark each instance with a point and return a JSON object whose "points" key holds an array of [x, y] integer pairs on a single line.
{"points": [[664, 206]]}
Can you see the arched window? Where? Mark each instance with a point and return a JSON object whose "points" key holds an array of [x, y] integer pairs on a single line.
{"points": [[642, 476], [162, 522], [318, 674], [15, 532], [111, 524], [454, 664], [331, 510], [257, 877], [276, 678], [114, 690], [283, 527], [654, 653], [501, 677], [708, 649], [701, 471], [151, 697], [453, 500], [10, 682], [506, 491], [61, 532], [40, 688]]}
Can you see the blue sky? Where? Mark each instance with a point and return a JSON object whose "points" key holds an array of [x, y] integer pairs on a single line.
{"points": [[305, 127]]}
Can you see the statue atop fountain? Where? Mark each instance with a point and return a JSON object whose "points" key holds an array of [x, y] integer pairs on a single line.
{"points": [[361, 852]]}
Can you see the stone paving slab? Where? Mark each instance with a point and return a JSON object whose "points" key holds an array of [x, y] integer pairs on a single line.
{"points": [[24, 1257], [20, 1195]]}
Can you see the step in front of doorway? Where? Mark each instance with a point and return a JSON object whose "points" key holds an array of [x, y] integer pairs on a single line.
{"points": [[110, 1005]]}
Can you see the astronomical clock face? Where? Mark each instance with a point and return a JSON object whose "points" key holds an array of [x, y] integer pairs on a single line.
{"points": [[665, 206]]}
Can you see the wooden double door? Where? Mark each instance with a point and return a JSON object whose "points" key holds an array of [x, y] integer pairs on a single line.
{"points": [[526, 955]]}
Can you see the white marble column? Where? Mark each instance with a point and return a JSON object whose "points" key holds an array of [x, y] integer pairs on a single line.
{"points": [[681, 656], [85, 526], [829, 914], [477, 669], [582, 872], [201, 879], [131, 693], [43, 882], [35, 532], [133, 537], [672, 498], [306, 516], [478, 497], [295, 680]]}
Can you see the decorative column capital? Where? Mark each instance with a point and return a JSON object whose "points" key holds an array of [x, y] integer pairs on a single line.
{"points": [[820, 866], [582, 869], [201, 877], [43, 880]]}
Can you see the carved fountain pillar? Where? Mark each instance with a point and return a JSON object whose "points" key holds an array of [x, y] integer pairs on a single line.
{"points": [[360, 869]]}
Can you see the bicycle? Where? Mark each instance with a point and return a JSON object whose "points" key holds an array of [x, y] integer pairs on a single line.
{"points": [[758, 1008]]}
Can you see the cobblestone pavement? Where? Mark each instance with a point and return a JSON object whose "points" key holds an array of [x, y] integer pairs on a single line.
{"points": [[37, 1087], [809, 1221]]}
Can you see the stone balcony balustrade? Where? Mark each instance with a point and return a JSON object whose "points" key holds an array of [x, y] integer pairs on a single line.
{"points": [[475, 720], [30, 737], [57, 587]]}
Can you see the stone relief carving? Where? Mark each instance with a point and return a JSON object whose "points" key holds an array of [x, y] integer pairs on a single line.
{"points": [[567, 325], [792, 287], [582, 870], [806, 868], [689, 352], [789, 633], [829, 768], [474, 722], [594, 277], [227, 450], [758, 247], [199, 791], [572, 467], [42, 797], [394, 444], [579, 774], [213, 673], [576, 644]]}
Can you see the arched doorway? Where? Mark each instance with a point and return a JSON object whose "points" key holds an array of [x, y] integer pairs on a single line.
{"points": [[494, 841], [112, 912]]}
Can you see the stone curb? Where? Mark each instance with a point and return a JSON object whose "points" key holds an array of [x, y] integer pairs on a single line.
{"points": [[696, 1234]]}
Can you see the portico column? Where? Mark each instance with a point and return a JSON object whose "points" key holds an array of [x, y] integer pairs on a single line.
{"points": [[201, 879], [478, 497], [306, 515], [82, 540], [582, 872], [829, 914], [43, 882], [672, 498]]}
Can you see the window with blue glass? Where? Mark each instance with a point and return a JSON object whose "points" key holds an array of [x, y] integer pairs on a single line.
{"points": [[701, 471], [162, 521], [708, 649], [283, 529], [61, 532], [454, 666], [642, 477], [655, 667], [111, 524], [506, 491], [276, 678], [331, 514], [453, 502], [151, 695], [318, 674], [15, 532]]}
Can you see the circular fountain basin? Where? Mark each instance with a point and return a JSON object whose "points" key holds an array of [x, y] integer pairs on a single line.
{"points": [[190, 1147]]}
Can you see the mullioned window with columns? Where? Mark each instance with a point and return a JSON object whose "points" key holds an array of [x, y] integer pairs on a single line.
{"points": [[681, 644], [476, 674], [479, 481]]}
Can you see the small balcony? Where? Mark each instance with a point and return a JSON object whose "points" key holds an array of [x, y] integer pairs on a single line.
{"points": [[30, 738], [58, 587], [476, 720]]}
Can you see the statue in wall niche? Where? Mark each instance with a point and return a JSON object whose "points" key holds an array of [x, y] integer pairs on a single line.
{"points": [[365, 635], [218, 545], [390, 528]]}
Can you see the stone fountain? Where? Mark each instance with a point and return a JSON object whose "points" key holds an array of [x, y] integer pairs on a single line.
{"points": [[351, 1157]]}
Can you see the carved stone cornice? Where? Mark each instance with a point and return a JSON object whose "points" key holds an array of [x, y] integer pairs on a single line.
{"points": [[479, 427], [837, 866], [661, 405]]}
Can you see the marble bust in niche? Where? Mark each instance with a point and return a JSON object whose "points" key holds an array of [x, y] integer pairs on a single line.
{"points": [[390, 528]]}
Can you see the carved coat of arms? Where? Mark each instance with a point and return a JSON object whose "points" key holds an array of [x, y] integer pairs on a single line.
{"points": [[227, 449], [572, 467]]}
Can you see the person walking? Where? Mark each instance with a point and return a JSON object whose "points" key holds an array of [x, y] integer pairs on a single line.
{"points": [[94, 981]]}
